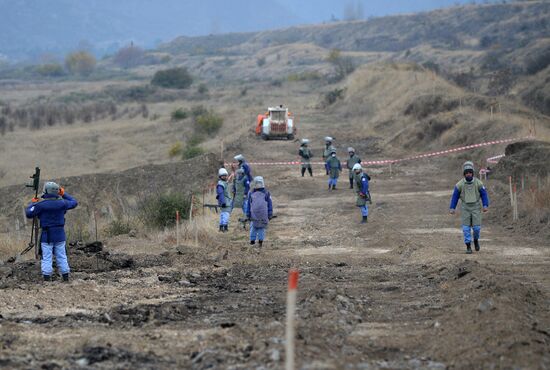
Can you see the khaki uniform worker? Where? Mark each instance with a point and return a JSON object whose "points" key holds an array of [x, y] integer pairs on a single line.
{"points": [[473, 195]]}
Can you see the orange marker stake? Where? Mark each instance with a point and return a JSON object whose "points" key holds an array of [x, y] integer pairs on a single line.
{"points": [[290, 311]]}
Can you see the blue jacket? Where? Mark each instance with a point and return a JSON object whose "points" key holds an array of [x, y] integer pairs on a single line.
{"points": [[482, 193], [268, 200], [51, 210], [365, 183], [246, 167]]}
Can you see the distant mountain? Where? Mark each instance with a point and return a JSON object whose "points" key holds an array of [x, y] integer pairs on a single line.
{"points": [[31, 28]]}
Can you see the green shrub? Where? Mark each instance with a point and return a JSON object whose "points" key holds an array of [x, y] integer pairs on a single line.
{"points": [[160, 211], [80, 62], [175, 149], [192, 152], [51, 70], [260, 61], [304, 76], [209, 123], [173, 78], [179, 114], [202, 89], [198, 110], [332, 96], [195, 140], [118, 227]]}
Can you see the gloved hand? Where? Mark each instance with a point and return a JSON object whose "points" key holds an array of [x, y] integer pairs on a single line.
{"points": [[452, 211], [362, 195], [61, 191], [34, 200], [485, 209], [224, 205], [270, 217]]}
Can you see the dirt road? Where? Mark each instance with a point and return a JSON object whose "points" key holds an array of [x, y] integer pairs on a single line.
{"points": [[398, 292]]}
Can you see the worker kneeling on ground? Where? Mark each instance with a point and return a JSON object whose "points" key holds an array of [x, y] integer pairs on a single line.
{"points": [[306, 155], [50, 210], [363, 194], [350, 164], [260, 211], [243, 164], [333, 167], [225, 202], [470, 191], [241, 187]]}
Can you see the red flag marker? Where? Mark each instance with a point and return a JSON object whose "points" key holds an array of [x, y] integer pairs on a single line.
{"points": [[290, 312]]}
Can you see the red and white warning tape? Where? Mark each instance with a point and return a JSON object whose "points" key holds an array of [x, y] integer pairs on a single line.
{"points": [[418, 156], [495, 159]]}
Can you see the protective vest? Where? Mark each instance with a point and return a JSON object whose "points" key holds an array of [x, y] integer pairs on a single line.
{"points": [[469, 191], [361, 200], [227, 195], [239, 191], [327, 151], [334, 167], [352, 161]]}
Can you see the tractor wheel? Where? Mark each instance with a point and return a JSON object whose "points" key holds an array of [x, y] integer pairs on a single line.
{"points": [[290, 137], [265, 137]]}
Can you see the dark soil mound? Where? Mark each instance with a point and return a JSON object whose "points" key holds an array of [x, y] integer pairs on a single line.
{"points": [[525, 158]]}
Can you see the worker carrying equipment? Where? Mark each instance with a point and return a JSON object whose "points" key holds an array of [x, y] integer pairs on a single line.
{"points": [[50, 210], [473, 195]]}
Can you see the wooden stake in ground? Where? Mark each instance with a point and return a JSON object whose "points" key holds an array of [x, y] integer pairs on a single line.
{"points": [[511, 193], [177, 228], [290, 311]]}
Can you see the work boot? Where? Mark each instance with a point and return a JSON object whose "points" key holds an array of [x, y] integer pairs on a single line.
{"points": [[225, 228], [364, 221], [333, 187], [252, 242], [468, 248], [303, 172], [65, 277], [47, 278], [329, 188], [310, 172], [476, 244], [221, 228], [260, 242]]}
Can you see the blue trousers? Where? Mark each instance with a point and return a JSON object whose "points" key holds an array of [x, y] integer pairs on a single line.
{"points": [[257, 233], [332, 181], [466, 229], [224, 218], [364, 210], [48, 251]]}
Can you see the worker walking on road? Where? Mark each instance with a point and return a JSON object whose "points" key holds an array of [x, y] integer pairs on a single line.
{"points": [[333, 167], [244, 165], [350, 163], [470, 190], [50, 210], [260, 211], [241, 187], [306, 155], [361, 180], [225, 202]]}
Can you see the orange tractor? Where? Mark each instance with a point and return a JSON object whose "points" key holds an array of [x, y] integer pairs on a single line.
{"points": [[276, 123]]}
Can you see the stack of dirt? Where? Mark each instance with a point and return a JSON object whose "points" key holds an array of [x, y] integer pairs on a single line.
{"points": [[528, 165]]}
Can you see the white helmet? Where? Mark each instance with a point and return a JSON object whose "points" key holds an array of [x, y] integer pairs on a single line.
{"points": [[305, 141], [239, 157], [222, 172], [259, 182], [51, 188], [351, 150], [357, 166], [328, 139]]}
